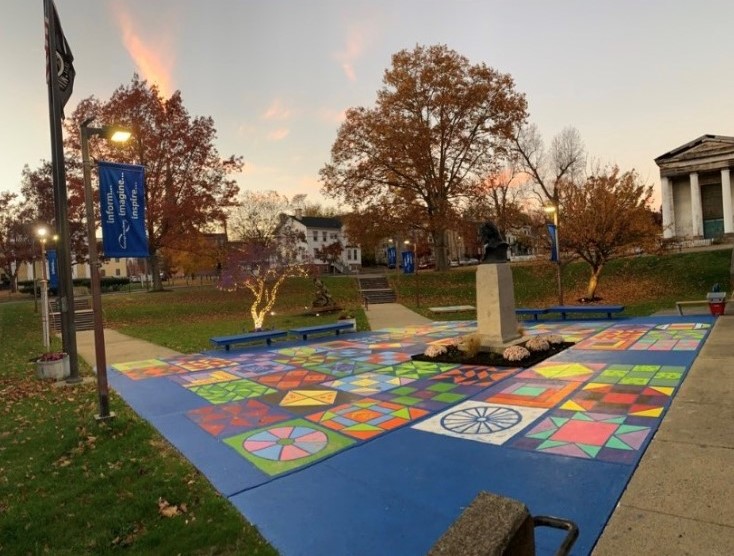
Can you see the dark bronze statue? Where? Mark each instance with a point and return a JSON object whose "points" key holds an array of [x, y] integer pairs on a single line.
{"points": [[323, 298], [494, 247]]}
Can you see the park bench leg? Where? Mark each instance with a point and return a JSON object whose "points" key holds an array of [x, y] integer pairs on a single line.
{"points": [[226, 347], [268, 341]]}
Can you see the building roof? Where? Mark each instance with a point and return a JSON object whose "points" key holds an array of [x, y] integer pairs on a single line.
{"points": [[691, 144], [319, 222]]}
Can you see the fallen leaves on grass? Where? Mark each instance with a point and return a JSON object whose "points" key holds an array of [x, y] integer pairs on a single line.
{"points": [[167, 509]]}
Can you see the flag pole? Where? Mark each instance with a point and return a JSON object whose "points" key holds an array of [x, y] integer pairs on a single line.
{"points": [[63, 249]]}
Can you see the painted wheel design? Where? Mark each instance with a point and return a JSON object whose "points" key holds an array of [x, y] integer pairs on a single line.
{"points": [[286, 443], [481, 420]]}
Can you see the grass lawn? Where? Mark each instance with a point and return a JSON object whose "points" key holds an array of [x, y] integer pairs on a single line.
{"points": [[71, 486]]}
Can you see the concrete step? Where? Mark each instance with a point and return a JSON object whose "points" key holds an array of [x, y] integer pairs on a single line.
{"points": [[83, 320]]}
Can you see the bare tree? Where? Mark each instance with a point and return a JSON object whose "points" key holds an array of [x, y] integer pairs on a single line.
{"points": [[548, 168], [256, 217]]}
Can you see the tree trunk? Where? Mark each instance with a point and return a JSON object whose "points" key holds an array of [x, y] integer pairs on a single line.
{"points": [[155, 271], [593, 282], [439, 246]]}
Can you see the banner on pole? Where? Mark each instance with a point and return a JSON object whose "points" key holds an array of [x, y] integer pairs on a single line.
{"points": [[408, 262], [392, 257], [554, 242], [53, 273], [63, 80], [122, 200]]}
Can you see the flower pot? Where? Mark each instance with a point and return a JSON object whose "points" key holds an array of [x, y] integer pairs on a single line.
{"points": [[717, 307], [58, 369]]}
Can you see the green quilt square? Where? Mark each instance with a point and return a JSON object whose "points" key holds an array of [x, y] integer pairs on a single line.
{"points": [[289, 445], [232, 391]]}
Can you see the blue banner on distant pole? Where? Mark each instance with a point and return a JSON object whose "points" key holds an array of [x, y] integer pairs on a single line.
{"points": [[122, 206], [53, 271], [554, 242], [392, 257], [408, 262]]}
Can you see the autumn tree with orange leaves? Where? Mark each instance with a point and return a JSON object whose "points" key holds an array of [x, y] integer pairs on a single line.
{"points": [[188, 184], [435, 131], [607, 217]]}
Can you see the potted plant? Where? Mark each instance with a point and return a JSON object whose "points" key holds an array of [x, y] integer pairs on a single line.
{"points": [[347, 316], [54, 364], [717, 300]]}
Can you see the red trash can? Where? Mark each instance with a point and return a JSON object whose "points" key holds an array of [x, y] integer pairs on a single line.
{"points": [[717, 307]]}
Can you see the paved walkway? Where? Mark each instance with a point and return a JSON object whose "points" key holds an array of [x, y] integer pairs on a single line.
{"points": [[680, 499]]}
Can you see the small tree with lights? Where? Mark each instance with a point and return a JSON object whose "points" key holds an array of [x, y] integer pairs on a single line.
{"points": [[262, 267]]}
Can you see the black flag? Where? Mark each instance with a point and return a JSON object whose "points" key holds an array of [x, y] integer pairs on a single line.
{"points": [[64, 79]]}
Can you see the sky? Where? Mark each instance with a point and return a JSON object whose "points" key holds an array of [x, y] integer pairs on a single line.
{"points": [[636, 78]]}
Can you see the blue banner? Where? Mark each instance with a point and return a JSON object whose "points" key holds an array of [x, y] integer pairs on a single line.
{"points": [[408, 262], [392, 257], [53, 271], [122, 206], [554, 242]]}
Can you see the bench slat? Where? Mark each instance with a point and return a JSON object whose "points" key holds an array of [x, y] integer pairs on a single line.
{"points": [[529, 311], [266, 335], [306, 330], [564, 309]]}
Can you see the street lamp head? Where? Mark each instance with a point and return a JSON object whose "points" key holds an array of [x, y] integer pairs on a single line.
{"points": [[42, 232], [550, 208], [111, 132], [118, 135]]}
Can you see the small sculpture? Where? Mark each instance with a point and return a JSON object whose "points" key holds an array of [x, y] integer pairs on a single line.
{"points": [[323, 298], [494, 247]]}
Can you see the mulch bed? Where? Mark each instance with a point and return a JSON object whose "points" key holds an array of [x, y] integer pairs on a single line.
{"points": [[491, 358]]}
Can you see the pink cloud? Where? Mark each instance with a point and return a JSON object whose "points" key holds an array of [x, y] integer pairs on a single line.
{"points": [[279, 134], [277, 111]]}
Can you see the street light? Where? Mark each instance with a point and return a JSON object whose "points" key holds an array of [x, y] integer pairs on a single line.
{"points": [[118, 135], [552, 208], [42, 232]]}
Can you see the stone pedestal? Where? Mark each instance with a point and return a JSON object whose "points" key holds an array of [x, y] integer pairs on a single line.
{"points": [[496, 321]]}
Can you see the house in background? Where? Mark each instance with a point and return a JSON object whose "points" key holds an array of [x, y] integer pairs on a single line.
{"points": [[320, 231], [695, 180]]}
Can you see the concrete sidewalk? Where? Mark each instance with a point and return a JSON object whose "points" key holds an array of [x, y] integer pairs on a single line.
{"points": [[389, 315], [119, 348]]}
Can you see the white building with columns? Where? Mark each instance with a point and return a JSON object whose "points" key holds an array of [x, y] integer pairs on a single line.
{"points": [[695, 181]]}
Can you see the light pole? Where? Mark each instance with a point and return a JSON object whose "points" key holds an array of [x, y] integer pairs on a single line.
{"points": [[42, 232], [118, 135], [553, 208]]}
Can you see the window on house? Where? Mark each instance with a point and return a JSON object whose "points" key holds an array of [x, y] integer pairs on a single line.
{"points": [[315, 235], [349, 254], [333, 236], [102, 273], [117, 259], [354, 255], [117, 272], [323, 235], [315, 253]]}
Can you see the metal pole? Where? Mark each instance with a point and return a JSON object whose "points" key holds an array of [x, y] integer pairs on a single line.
{"points": [[99, 346], [415, 266], [44, 297], [558, 258], [35, 285]]}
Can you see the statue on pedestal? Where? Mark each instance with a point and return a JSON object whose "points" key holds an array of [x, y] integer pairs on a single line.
{"points": [[493, 245]]}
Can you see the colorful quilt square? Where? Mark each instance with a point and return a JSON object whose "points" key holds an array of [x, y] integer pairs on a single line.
{"points": [[571, 332], [481, 422], [642, 375], [670, 337], [148, 368], [471, 375], [296, 378], [383, 358], [234, 390], [197, 362], [530, 393], [288, 445], [204, 377], [589, 435], [300, 351], [258, 367], [305, 360], [417, 369], [429, 394], [235, 417], [366, 384], [617, 337], [337, 367], [572, 372], [303, 401], [366, 418], [640, 401]]}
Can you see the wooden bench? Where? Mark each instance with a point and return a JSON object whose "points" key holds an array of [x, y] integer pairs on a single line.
{"points": [[585, 309], [337, 327], [525, 311], [266, 335]]}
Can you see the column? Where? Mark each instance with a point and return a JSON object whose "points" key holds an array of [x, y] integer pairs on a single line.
{"points": [[696, 212], [666, 189], [726, 200]]}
